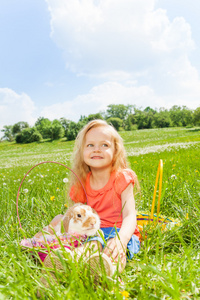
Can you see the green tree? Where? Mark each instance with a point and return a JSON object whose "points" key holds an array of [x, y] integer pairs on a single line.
{"points": [[120, 111], [162, 119], [186, 116], [128, 124], [91, 117], [43, 125], [18, 127], [57, 130], [65, 124], [196, 116], [181, 116], [116, 122], [73, 130], [143, 118], [7, 133], [95, 117]]}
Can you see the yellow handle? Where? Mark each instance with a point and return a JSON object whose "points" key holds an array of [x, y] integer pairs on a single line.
{"points": [[159, 173]]}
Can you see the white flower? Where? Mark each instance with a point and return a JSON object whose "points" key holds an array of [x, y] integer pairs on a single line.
{"points": [[25, 190], [65, 180], [41, 176], [173, 176], [4, 183]]}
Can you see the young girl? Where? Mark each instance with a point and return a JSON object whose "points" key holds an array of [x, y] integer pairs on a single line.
{"points": [[100, 162]]}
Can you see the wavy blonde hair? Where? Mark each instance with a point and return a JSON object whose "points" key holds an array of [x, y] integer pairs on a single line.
{"points": [[79, 166]]}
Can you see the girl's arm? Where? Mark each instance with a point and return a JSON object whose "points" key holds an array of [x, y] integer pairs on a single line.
{"points": [[117, 247], [128, 215]]}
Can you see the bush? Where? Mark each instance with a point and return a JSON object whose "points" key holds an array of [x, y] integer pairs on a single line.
{"points": [[197, 116], [162, 119], [43, 125], [116, 122], [73, 130], [57, 131], [28, 135], [36, 137]]}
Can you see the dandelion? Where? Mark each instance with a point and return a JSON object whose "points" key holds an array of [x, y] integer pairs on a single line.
{"points": [[25, 190], [196, 171], [125, 294], [52, 198], [65, 180], [41, 176], [173, 176], [65, 205]]}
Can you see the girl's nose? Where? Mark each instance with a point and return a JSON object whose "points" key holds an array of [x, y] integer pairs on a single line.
{"points": [[96, 148]]}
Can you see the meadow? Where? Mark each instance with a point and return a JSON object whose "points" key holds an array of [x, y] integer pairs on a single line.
{"points": [[168, 264]]}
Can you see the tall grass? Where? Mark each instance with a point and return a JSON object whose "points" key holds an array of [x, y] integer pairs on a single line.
{"points": [[168, 265]]}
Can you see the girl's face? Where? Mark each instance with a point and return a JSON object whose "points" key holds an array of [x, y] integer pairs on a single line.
{"points": [[99, 148]]}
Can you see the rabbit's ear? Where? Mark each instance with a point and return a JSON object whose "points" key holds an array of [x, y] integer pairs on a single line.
{"points": [[94, 211], [67, 217]]}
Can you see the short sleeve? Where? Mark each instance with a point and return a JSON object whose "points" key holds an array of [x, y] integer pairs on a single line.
{"points": [[77, 195], [123, 179]]}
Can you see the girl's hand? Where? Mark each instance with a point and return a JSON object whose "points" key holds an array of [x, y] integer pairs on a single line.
{"points": [[116, 250]]}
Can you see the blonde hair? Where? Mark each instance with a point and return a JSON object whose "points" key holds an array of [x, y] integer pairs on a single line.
{"points": [[79, 166]]}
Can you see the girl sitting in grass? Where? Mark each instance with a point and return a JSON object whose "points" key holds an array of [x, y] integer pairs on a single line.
{"points": [[100, 162]]}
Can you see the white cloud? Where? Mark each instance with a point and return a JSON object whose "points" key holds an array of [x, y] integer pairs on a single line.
{"points": [[128, 40], [100, 36], [15, 108], [99, 97]]}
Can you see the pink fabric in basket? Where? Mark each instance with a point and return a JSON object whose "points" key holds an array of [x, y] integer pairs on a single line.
{"points": [[68, 240]]}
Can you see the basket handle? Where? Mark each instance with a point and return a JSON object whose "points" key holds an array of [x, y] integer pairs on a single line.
{"points": [[159, 174], [44, 162]]}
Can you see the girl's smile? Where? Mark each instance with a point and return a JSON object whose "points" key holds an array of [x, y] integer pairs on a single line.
{"points": [[98, 148]]}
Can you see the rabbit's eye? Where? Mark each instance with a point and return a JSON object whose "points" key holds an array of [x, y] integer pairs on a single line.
{"points": [[79, 215]]}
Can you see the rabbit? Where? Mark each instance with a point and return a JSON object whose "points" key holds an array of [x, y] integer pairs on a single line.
{"points": [[80, 218]]}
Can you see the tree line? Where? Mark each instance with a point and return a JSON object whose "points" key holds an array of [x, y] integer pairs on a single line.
{"points": [[122, 117]]}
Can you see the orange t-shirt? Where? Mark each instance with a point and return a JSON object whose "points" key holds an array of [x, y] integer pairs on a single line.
{"points": [[107, 200]]}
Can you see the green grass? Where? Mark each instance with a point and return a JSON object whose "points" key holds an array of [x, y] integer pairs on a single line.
{"points": [[168, 265]]}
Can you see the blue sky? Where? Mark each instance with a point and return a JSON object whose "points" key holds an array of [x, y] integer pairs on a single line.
{"points": [[70, 58]]}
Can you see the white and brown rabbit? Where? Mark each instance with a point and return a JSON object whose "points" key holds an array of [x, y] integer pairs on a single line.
{"points": [[80, 218]]}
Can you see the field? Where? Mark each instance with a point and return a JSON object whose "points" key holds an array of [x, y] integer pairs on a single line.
{"points": [[168, 265]]}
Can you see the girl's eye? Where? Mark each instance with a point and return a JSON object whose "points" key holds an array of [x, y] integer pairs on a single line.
{"points": [[105, 145], [90, 145]]}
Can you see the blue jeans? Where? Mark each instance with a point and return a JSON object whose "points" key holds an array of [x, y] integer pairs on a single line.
{"points": [[133, 245]]}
